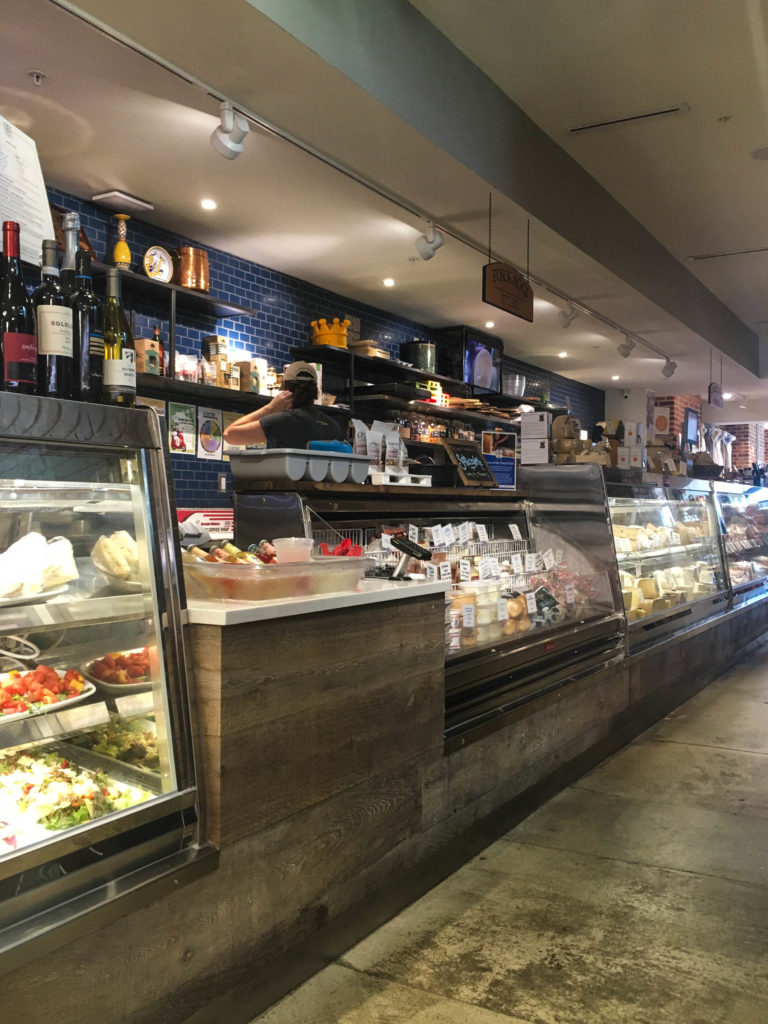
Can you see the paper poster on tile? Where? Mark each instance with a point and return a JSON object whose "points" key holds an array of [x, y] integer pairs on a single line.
{"points": [[182, 428], [209, 433]]}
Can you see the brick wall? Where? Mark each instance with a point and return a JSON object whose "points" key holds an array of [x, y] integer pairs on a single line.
{"points": [[744, 449], [677, 404], [286, 307]]}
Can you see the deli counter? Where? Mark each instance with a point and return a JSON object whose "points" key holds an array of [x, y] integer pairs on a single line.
{"points": [[97, 773]]}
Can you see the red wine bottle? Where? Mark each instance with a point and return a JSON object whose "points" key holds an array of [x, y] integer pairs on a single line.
{"points": [[18, 345], [87, 333], [53, 322]]}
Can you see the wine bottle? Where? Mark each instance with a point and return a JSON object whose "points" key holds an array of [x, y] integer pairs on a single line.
{"points": [[70, 223], [87, 333], [119, 350], [18, 345], [53, 324], [161, 348]]}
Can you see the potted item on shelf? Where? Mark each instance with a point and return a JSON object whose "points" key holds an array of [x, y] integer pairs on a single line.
{"points": [[190, 268]]}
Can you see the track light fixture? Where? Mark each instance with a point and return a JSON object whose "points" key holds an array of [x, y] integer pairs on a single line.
{"points": [[228, 138], [626, 347], [668, 368], [567, 317], [427, 245]]}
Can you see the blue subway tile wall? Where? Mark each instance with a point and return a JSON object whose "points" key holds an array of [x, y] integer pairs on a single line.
{"points": [[286, 306]]}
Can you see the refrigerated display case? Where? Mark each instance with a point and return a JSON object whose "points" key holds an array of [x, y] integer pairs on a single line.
{"points": [[744, 524], [97, 778], [533, 601], [669, 555]]}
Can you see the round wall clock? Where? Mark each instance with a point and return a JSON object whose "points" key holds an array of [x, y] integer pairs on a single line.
{"points": [[158, 264]]}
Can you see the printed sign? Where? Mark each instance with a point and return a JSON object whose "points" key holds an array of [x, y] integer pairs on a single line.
{"points": [[182, 426], [506, 288], [209, 434]]}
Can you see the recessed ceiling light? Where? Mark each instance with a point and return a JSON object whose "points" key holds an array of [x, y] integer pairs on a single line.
{"points": [[208, 204], [489, 324], [388, 282], [615, 376], [727, 395], [562, 355]]}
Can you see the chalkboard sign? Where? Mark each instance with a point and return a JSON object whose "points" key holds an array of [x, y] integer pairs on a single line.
{"points": [[470, 464]]}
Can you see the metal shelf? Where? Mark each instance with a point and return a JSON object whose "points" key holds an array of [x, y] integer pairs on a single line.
{"points": [[75, 612], [186, 301], [16, 732]]}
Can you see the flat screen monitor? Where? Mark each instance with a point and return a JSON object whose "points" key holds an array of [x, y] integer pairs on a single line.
{"points": [[482, 364], [690, 438]]}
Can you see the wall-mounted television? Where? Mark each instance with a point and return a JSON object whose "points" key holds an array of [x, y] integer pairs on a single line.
{"points": [[690, 434], [482, 363]]}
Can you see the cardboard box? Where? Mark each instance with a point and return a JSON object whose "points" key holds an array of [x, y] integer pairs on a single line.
{"points": [[633, 434], [637, 457], [250, 375], [220, 365], [623, 457], [232, 377], [215, 345], [534, 451], [147, 356], [535, 424]]}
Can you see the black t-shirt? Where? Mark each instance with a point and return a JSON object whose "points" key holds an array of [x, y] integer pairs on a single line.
{"points": [[297, 427]]}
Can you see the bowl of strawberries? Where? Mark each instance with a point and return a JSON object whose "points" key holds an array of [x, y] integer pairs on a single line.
{"points": [[119, 672]]}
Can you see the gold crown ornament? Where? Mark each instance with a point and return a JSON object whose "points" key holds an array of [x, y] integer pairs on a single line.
{"points": [[334, 333]]}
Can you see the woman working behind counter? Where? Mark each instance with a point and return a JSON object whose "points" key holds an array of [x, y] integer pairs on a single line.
{"points": [[291, 419]]}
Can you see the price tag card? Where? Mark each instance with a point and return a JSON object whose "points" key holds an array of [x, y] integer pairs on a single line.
{"points": [[675, 538], [465, 570], [135, 704], [570, 594], [431, 572], [465, 533], [482, 532], [514, 529], [413, 533], [559, 556], [517, 564], [503, 612], [386, 542], [484, 568], [437, 536], [468, 616], [449, 537], [531, 561], [548, 559], [445, 571], [530, 600], [495, 568]]}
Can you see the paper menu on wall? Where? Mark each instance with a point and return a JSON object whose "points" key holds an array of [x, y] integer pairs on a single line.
{"points": [[22, 190]]}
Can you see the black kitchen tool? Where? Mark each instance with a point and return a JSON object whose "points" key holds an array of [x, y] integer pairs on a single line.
{"points": [[409, 550]]}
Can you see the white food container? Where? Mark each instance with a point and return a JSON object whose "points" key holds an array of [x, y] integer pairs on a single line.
{"points": [[298, 464]]}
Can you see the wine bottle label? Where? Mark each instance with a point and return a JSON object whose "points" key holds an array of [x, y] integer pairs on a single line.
{"points": [[96, 344], [121, 373], [54, 330], [20, 348]]}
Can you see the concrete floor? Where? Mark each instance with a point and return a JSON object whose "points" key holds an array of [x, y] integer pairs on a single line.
{"points": [[639, 894]]}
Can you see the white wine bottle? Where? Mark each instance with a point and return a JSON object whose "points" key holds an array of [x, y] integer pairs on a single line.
{"points": [[119, 351]]}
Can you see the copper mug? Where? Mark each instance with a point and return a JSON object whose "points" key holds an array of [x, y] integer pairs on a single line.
{"points": [[190, 268]]}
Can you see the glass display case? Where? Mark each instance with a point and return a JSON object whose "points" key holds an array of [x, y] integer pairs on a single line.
{"points": [[669, 556], [96, 765], [744, 524], [532, 598]]}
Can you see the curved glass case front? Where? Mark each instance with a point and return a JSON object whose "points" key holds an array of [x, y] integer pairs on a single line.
{"points": [[744, 519], [668, 551]]}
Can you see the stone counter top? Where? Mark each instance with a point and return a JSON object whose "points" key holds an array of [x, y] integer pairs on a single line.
{"points": [[371, 591]]}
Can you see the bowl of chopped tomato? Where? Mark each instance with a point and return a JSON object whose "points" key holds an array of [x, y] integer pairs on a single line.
{"points": [[40, 690], [119, 672]]}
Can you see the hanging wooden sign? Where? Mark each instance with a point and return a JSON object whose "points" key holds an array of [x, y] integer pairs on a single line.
{"points": [[715, 395], [506, 288]]}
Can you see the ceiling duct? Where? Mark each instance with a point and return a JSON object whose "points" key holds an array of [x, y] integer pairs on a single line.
{"points": [[679, 108]]}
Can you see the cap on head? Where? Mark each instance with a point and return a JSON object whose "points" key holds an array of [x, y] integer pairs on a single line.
{"points": [[300, 371]]}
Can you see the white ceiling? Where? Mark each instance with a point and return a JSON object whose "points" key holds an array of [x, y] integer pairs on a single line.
{"points": [[109, 117]]}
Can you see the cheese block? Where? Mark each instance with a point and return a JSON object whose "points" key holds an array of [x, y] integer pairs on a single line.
{"points": [[648, 586]]}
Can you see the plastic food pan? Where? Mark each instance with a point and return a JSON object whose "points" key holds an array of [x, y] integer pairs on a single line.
{"points": [[237, 581]]}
